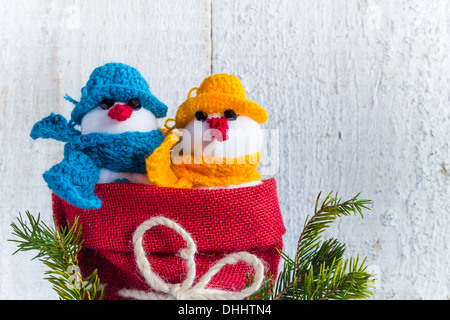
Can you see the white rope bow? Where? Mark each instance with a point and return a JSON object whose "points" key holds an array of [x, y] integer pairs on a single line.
{"points": [[185, 290]]}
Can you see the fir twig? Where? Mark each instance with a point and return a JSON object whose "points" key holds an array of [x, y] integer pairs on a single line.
{"points": [[57, 248], [331, 208], [266, 289], [318, 270]]}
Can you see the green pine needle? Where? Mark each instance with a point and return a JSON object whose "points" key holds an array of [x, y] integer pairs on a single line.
{"points": [[318, 270], [266, 289], [57, 248]]}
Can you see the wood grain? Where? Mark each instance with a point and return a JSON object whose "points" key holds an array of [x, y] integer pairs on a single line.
{"points": [[357, 94], [358, 91], [48, 49]]}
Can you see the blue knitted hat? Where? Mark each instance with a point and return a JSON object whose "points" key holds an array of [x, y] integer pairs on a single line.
{"points": [[118, 82]]}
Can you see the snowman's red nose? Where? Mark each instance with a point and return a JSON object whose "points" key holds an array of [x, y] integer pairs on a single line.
{"points": [[120, 112], [220, 124]]}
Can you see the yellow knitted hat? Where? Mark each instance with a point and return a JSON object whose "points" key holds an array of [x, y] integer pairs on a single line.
{"points": [[216, 94]]}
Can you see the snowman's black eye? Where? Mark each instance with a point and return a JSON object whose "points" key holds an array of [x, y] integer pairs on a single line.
{"points": [[106, 104], [230, 114], [135, 104], [201, 116]]}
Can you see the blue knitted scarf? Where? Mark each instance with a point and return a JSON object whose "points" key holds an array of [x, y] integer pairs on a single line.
{"points": [[74, 178]]}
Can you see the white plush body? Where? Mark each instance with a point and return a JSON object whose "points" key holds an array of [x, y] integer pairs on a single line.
{"points": [[97, 120], [245, 137]]}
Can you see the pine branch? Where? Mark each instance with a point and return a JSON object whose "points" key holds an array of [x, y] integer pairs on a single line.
{"points": [[324, 256], [331, 208], [342, 280], [57, 248], [342, 284], [266, 289], [318, 271]]}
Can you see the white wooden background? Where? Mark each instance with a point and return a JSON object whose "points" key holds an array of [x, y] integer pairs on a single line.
{"points": [[359, 92]]}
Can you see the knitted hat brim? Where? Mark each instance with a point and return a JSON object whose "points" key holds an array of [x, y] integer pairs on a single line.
{"points": [[117, 93], [218, 103]]}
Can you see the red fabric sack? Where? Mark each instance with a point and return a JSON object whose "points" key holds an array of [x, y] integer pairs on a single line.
{"points": [[220, 221]]}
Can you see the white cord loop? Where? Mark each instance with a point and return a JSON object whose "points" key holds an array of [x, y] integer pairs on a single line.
{"points": [[185, 290]]}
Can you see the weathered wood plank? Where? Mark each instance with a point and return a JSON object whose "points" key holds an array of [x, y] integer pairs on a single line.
{"points": [[49, 48], [357, 90], [359, 93]]}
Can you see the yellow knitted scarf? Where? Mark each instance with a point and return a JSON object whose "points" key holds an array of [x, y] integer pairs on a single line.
{"points": [[189, 171]]}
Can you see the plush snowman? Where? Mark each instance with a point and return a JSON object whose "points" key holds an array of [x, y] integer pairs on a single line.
{"points": [[220, 143], [117, 115]]}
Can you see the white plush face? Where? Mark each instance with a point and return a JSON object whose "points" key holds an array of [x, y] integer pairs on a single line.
{"points": [[99, 120], [244, 137]]}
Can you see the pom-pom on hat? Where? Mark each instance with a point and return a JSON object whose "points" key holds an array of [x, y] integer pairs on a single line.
{"points": [[216, 94], [118, 82]]}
